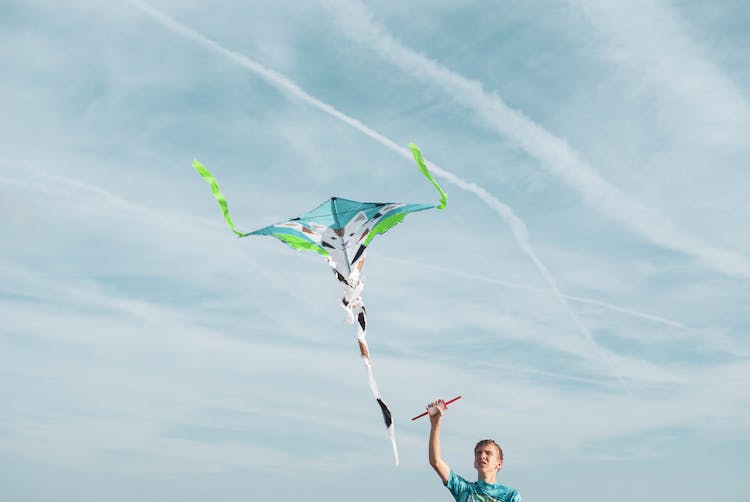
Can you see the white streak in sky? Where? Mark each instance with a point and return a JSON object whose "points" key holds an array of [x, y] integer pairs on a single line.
{"points": [[523, 287], [280, 81], [650, 40], [553, 152], [84, 193], [147, 214]]}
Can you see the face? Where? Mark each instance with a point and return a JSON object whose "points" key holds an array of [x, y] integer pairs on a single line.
{"points": [[487, 459]]}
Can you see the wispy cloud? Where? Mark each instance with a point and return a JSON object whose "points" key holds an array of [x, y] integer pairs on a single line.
{"points": [[40, 288], [141, 342], [518, 227], [78, 195], [654, 45], [525, 287], [555, 154]]}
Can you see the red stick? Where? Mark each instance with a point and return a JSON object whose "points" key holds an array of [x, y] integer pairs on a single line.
{"points": [[446, 407]]}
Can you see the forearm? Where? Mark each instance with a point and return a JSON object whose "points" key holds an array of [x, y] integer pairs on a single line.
{"points": [[435, 444], [436, 460]]}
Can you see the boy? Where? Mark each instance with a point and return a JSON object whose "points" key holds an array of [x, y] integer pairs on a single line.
{"points": [[488, 459]]}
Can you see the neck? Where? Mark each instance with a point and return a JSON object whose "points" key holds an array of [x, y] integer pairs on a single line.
{"points": [[487, 477]]}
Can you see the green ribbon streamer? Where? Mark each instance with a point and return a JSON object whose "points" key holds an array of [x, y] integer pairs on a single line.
{"points": [[384, 225], [206, 174], [209, 178], [423, 168], [297, 243]]}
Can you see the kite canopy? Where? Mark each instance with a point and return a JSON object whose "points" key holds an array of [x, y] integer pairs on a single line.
{"points": [[340, 230]]}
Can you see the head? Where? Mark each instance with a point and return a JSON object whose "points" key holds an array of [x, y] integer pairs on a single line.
{"points": [[488, 457]]}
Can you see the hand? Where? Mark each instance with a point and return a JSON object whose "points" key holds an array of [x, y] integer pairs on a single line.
{"points": [[436, 409]]}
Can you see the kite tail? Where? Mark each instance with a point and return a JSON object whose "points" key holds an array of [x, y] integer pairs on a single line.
{"points": [[355, 309], [206, 174], [361, 317], [423, 169]]}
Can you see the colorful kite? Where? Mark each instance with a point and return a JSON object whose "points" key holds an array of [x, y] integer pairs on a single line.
{"points": [[341, 230]]}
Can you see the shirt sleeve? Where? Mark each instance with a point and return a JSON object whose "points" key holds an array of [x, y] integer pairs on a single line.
{"points": [[457, 485], [516, 497]]}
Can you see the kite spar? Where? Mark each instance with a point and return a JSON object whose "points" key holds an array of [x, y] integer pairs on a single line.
{"points": [[341, 230]]}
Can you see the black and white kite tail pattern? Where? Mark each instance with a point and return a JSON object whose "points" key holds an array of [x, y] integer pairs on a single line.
{"points": [[352, 303]]}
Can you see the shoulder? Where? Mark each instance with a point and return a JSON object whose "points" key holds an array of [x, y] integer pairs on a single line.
{"points": [[510, 494], [456, 484]]}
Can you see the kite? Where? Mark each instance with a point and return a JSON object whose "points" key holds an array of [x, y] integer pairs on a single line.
{"points": [[341, 230]]}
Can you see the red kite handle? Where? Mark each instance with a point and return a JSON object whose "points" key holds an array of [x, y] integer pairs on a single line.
{"points": [[446, 407]]}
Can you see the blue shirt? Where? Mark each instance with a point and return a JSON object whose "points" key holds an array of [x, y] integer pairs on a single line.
{"points": [[464, 491]]}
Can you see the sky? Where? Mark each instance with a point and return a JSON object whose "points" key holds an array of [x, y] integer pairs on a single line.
{"points": [[585, 290]]}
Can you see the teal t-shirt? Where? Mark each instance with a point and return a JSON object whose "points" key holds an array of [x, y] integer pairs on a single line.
{"points": [[464, 491]]}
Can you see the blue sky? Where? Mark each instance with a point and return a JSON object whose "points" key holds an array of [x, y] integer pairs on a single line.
{"points": [[586, 289]]}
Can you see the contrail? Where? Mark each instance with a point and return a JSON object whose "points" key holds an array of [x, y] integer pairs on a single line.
{"points": [[513, 285], [86, 192], [654, 45], [553, 152], [276, 79]]}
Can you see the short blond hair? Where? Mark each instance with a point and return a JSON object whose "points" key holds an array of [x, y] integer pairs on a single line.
{"points": [[485, 442]]}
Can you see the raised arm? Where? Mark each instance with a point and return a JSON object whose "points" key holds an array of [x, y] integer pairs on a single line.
{"points": [[437, 409]]}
